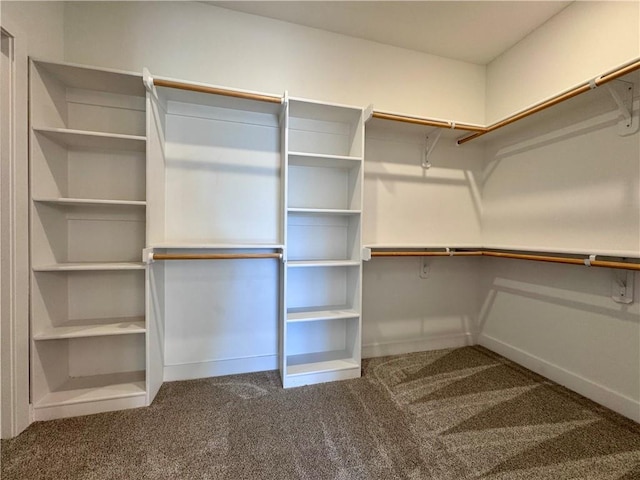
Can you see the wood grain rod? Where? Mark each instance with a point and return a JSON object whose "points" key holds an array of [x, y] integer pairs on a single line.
{"points": [[426, 122], [572, 261], [216, 91], [425, 254], [554, 101], [519, 256], [213, 256]]}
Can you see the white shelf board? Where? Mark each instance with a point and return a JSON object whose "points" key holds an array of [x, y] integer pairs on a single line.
{"points": [[89, 266], [324, 211], [295, 315], [93, 328], [96, 388], [323, 263], [91, 202], [218, 246], [318, 160], [94, 140], [327, 112], [92, 78], [319, 362], [431, 246]]}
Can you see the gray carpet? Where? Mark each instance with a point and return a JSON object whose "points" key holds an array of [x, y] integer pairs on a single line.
{"points": [[447, 415]]}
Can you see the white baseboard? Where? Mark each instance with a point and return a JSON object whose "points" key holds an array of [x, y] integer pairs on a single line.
{"points": [[617, 402], [419, 345], [88, 408], [217, 368]]}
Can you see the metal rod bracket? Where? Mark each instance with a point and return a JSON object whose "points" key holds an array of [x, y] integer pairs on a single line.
{"points": [[366, 254], [622, 94], [368, 113], [429, 147], [147, 256]]}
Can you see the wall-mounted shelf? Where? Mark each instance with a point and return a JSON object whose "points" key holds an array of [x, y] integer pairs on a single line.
{"points": [[93, 140], [91, 202], [96, 388], [89, 266], [320, 314], [93, 328], [322, 263]]}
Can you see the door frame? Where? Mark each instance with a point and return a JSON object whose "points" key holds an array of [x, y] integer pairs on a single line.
{"points": [[15, 409]]}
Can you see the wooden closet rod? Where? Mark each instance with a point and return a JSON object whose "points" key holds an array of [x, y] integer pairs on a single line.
{"points": [[519, 256], [427, 122], [158, 82], [426, 254], [568, 260], [213, 256], [555, 100]]}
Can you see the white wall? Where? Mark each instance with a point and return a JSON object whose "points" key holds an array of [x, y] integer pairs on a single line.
{"points": [[560, 321], [583, 41], [42, 25], [194, 41], [564, 180]]}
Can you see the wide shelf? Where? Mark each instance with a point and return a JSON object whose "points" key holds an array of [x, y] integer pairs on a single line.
{"points": [[302, 159], [324, 211], [90, 202], [93, 328], [314, 314], [92, 78], [94, 140], [319, 362], [96, 388], [89, 266], [323, 263]]}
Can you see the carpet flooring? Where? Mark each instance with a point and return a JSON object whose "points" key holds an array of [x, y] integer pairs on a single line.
{"points": [[446, 415]]}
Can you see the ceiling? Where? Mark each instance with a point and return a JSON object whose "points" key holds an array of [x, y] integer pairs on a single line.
{"points": [[471, 31]]}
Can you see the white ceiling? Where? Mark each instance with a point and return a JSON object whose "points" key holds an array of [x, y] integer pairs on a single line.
{"points": [[471, 31]]}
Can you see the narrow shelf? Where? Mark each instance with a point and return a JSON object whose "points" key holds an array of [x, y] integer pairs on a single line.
{"points": [[295, 315], [89, 266], [96, 388], [323, 263], [324, 211], [91, 202], [426, 246], [93, 328], [97, 140], [301, 159], [218, 246], [319, 362]]}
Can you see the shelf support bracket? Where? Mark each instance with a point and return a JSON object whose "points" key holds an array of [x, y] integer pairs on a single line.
{"points": [[368, 113], [147, 256], [622, 94], [147, 79], [429, 147]]}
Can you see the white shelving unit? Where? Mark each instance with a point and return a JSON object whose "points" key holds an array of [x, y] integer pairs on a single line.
{"points": [[88, 169], [320, 332]]}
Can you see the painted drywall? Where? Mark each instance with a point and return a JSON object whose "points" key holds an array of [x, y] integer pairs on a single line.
{"points": [[403, 312], [583, 41], [406, 204], [560, 321], [42, 26], [199, 42], [566, 180]]}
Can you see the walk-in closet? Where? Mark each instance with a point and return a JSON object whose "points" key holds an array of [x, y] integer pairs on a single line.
{"points": [[242, 203]]}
